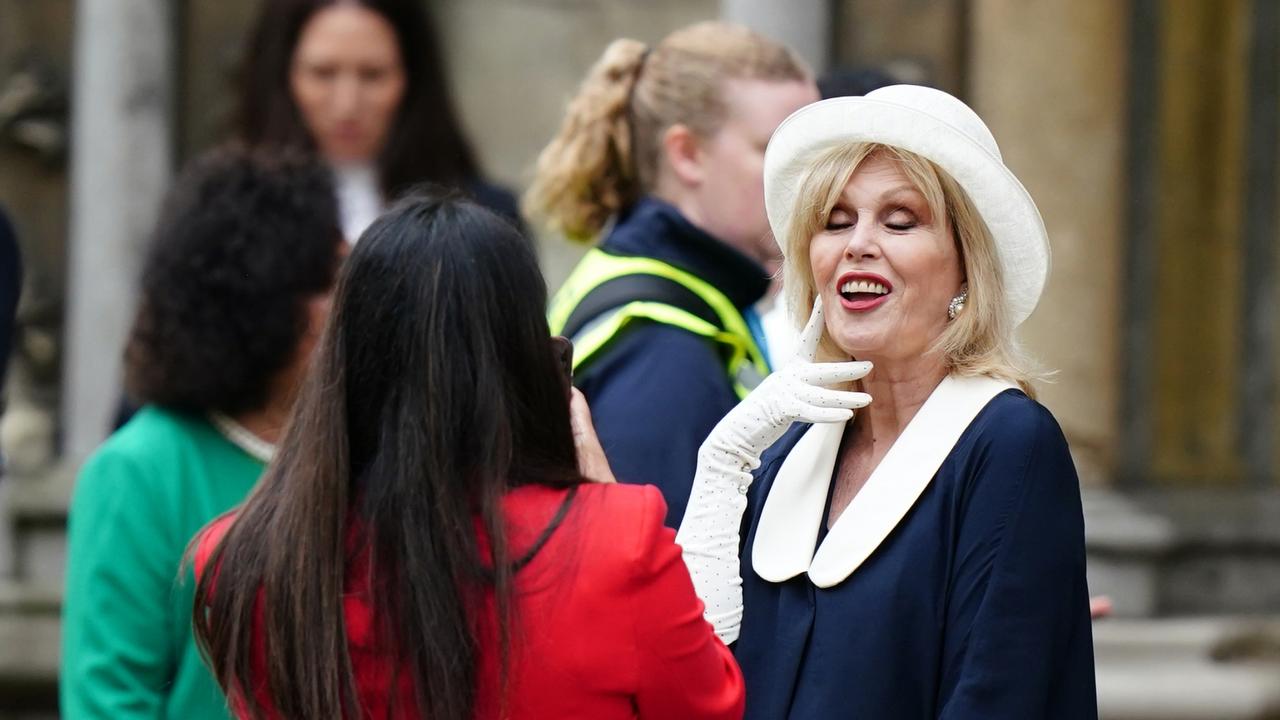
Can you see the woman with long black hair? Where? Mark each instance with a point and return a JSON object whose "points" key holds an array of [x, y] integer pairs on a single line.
{"points": [[425, 544], [361, 83]]}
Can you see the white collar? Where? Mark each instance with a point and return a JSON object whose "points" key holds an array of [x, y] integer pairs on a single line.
{"points": [[359, 198], [240, 436], [794, 508]]}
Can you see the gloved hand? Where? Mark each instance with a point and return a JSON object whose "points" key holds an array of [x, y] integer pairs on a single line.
{"points": [[798, 392]]}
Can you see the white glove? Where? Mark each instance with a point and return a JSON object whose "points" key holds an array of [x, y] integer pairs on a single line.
{"points": [[799, 392]]}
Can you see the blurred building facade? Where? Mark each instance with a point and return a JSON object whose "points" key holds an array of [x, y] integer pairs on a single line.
{"points": [[1147, 130]]}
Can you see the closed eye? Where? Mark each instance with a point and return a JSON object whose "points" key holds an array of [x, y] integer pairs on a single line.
{"points": [[839, 219], [901, 220]]}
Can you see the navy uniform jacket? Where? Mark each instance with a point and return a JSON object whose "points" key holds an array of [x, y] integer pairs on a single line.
{"points": [[974, 607], [656, 391], [497, 199], [10, 289]]}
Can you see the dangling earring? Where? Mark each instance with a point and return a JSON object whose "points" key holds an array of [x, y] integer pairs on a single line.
{"points": [[957, 302]]}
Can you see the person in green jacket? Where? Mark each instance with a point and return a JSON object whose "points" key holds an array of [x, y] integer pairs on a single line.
{"points": [[235, 291]]}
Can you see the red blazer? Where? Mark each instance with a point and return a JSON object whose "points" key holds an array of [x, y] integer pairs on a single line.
{"points": [[607, 624]]}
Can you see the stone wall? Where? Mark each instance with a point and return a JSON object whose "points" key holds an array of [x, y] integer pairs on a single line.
{"points": [[917, 41], [516, 63], [35, 71]]}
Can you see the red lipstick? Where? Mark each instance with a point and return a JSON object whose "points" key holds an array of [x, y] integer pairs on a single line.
{"points": [[866, 291]]}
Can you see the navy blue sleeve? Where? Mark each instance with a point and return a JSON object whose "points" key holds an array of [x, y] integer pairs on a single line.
{"points": [[499, 200], [655, 395], [1018, 639], [10, 289]]}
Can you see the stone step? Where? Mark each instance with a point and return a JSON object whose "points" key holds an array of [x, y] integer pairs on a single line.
{"points": [[1222, 639], [1225, 668], [29, 648], [1184, 552], [36, 517], [33, 523], [30, 598]]}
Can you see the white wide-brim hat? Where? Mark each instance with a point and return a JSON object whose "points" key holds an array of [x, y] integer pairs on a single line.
{"points": [[938, 127]]}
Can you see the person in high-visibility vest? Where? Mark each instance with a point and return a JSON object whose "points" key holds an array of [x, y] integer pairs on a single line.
{"points": [[660, 158]]}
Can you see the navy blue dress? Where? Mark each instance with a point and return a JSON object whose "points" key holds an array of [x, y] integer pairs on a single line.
{"points": [[974, 607]]}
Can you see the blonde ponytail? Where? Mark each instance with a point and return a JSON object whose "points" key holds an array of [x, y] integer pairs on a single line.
{"points": [[587, 173], [609, 148]]}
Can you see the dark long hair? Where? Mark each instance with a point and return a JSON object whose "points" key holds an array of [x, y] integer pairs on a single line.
{"points": [[434, 391], [426, 142]]}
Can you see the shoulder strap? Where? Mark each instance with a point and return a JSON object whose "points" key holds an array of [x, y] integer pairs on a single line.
{"points": [[625, 289]]}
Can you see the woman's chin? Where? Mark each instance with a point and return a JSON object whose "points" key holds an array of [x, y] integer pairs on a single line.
{"points": [[340, 153], [856, 350]]}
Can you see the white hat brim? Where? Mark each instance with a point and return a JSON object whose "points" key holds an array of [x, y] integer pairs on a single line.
{"points": [[1011, 216]]}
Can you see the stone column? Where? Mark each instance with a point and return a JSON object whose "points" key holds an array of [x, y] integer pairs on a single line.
{"points": [[805, 25], [121, 163], [1049, 79]]}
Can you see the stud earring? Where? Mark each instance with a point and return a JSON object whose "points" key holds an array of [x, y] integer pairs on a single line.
{"points": [[957, 302]]}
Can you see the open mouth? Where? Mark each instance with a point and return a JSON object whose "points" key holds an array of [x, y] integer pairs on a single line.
{"points": [[863, 291]]}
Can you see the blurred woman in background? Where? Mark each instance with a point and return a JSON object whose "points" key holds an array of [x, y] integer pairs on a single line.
{"points": [[425, 544], [660, 154], [234, 293], [362, 83]]}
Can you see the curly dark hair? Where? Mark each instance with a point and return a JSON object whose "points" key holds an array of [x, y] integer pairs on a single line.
{"points": [[245, 237]]}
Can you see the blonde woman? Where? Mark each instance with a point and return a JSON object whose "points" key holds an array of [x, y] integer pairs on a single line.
{"points": [[924, 557], [665, 147]]}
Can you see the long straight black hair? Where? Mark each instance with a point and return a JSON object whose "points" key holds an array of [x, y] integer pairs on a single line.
{"points": [[434, 391], [426, 143]]}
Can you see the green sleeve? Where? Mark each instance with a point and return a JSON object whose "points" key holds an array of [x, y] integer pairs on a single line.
{"points": [[117, 656]]}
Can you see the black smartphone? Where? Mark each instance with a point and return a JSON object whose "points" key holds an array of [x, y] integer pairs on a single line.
{"points": [[563, 349]]}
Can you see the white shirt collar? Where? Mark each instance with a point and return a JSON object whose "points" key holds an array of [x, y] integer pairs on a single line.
{"points": [[359, 198], [793, 511]]}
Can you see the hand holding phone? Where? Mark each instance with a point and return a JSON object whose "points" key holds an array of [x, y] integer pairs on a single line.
{"points": [[592, 463], [563, 349]]}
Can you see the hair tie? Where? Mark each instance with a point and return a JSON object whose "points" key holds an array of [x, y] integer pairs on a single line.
{"points": [[635, 78], [631, 113], [644, 57]]}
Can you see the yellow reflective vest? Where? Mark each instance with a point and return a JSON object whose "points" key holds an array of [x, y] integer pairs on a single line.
{"points": [[605, 293]]}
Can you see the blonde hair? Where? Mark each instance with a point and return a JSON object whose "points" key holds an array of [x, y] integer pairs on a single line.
{"points": [[607, 152], [980, 340]]}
